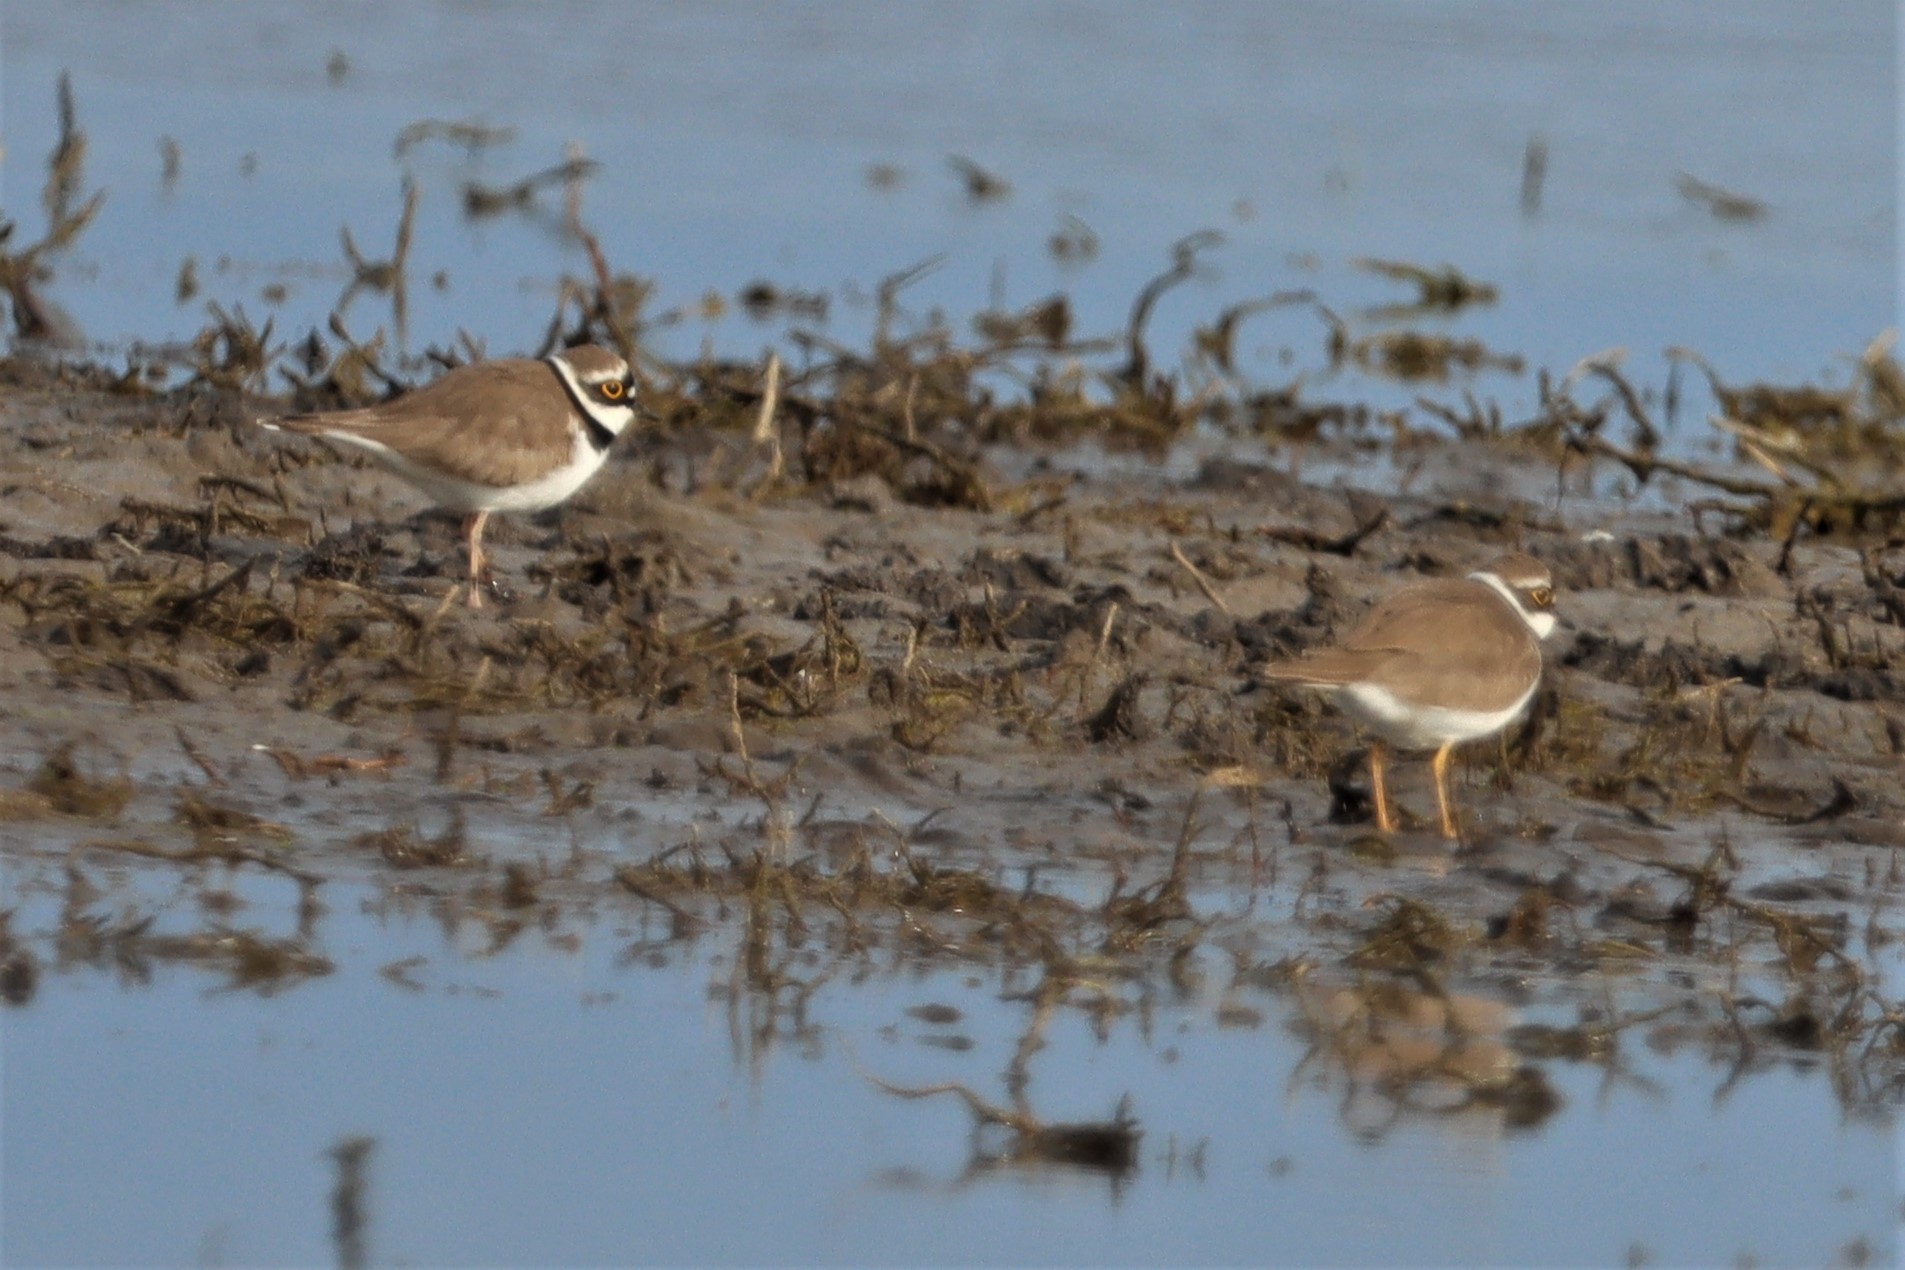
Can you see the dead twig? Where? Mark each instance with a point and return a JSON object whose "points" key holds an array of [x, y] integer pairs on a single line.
{"points": [[1197, 576]]}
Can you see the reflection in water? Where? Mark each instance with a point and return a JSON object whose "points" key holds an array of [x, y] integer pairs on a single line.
{"points": [[350, 1217], [1015, 1136], [1401, 1052], [811, 940]]}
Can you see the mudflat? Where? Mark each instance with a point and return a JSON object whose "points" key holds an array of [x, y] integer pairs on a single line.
{"points": [[893, 671]]}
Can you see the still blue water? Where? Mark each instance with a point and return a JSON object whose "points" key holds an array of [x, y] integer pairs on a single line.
{"points": [[735, 142], [566, 1108]]}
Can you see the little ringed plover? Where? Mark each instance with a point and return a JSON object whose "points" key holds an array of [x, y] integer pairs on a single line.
{"points": [[1437, 663], [512, 434]]}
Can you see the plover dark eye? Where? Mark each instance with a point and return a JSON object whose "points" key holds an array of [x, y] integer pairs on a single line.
{"points": [[1541, 597], [611, 389]]}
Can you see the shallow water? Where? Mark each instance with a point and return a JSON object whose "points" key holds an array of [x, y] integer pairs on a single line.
{"points": [[735, 143], [564, 1105]]}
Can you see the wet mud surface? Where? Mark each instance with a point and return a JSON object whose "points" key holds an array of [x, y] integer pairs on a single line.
{"points": [[903, 676]]}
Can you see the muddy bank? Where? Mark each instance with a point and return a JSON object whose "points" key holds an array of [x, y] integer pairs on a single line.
{"points": [[889, 678]]}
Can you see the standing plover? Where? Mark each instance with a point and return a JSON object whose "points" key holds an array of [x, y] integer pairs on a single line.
{"points": [[1436, 664], [507, 435]]}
